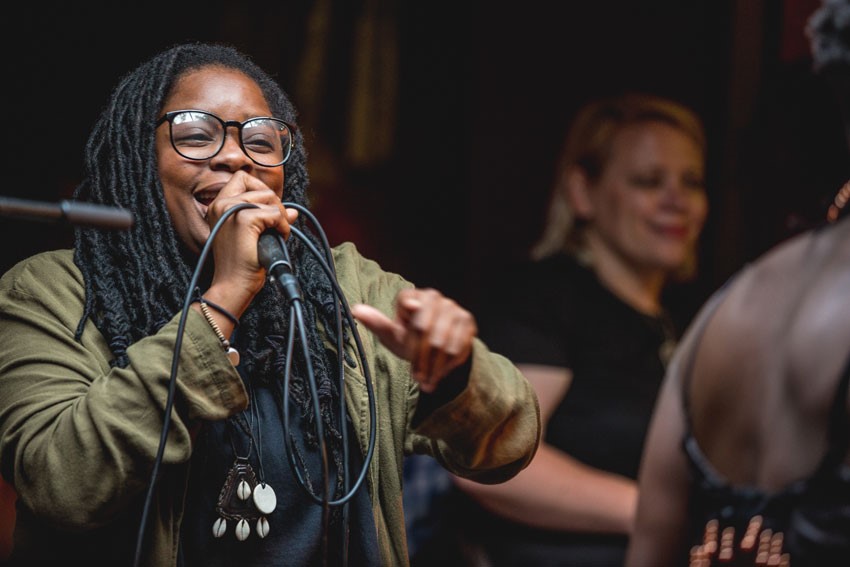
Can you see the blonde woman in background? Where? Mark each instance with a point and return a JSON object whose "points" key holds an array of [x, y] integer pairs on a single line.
{"points": [[585, 323]]}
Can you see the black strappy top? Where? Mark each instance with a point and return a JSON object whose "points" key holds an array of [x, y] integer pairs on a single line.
{"points": [[812, 514]]}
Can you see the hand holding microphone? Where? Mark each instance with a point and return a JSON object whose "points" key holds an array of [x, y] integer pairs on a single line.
{"points": [[239, 272]]}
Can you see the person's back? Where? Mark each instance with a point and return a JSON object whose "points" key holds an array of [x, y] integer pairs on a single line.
{"points": [[775, 346], [755, 394]]}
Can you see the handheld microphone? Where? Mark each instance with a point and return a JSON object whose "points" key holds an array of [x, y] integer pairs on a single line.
{"points": [[274, 257]]}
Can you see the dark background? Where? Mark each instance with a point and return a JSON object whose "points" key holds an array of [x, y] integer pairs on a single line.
{"points": [[480, 98]]}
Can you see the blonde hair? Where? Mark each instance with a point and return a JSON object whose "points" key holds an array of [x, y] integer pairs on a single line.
{"points": [[588, 147]]}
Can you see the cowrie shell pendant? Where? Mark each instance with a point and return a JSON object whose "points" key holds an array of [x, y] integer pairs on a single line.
{"points": [[244, 490], [243, 530], [219, 527], [262, 527]]}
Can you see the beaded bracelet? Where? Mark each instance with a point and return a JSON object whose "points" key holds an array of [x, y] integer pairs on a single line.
{"points": [[220, 309], [201, 299], [231, 352]]}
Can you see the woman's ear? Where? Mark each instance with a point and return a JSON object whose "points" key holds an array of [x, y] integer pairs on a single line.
{"points": [[576, 185]]}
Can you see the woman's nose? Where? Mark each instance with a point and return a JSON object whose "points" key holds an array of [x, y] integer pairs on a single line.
{"points": [[231, 150]]}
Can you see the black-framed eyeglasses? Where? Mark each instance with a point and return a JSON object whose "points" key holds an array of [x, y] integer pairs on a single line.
{"points": [[199, 135]]}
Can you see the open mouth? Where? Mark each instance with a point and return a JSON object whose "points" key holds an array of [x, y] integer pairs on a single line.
{"points": [[204, 198]]}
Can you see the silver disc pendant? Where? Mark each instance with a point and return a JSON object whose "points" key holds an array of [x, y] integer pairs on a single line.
{"points": [[219, 527], [262, 528], [243, 530], [264, 498]]}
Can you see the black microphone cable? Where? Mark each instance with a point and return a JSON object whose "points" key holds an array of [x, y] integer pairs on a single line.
{"points": [[366, 373], [325, 260], [274, 256], [172, 382], [330, 271]]}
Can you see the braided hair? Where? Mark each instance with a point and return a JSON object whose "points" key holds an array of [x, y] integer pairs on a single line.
{"points": [[149, 263]]}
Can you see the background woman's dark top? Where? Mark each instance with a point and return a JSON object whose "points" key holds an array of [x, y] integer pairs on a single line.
{"points": [[555, 312]]}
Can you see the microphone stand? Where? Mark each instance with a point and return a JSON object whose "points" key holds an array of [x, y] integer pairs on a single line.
{"points": [[72, 212]]}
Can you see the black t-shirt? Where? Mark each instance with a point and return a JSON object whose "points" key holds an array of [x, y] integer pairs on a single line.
{"points": [[555, 312]]}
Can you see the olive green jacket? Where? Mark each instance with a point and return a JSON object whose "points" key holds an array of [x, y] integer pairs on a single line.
{"points": [[78, 438]]}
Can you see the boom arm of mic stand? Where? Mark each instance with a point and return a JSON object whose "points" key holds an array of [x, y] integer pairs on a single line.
{"points": [[72, 212]]}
